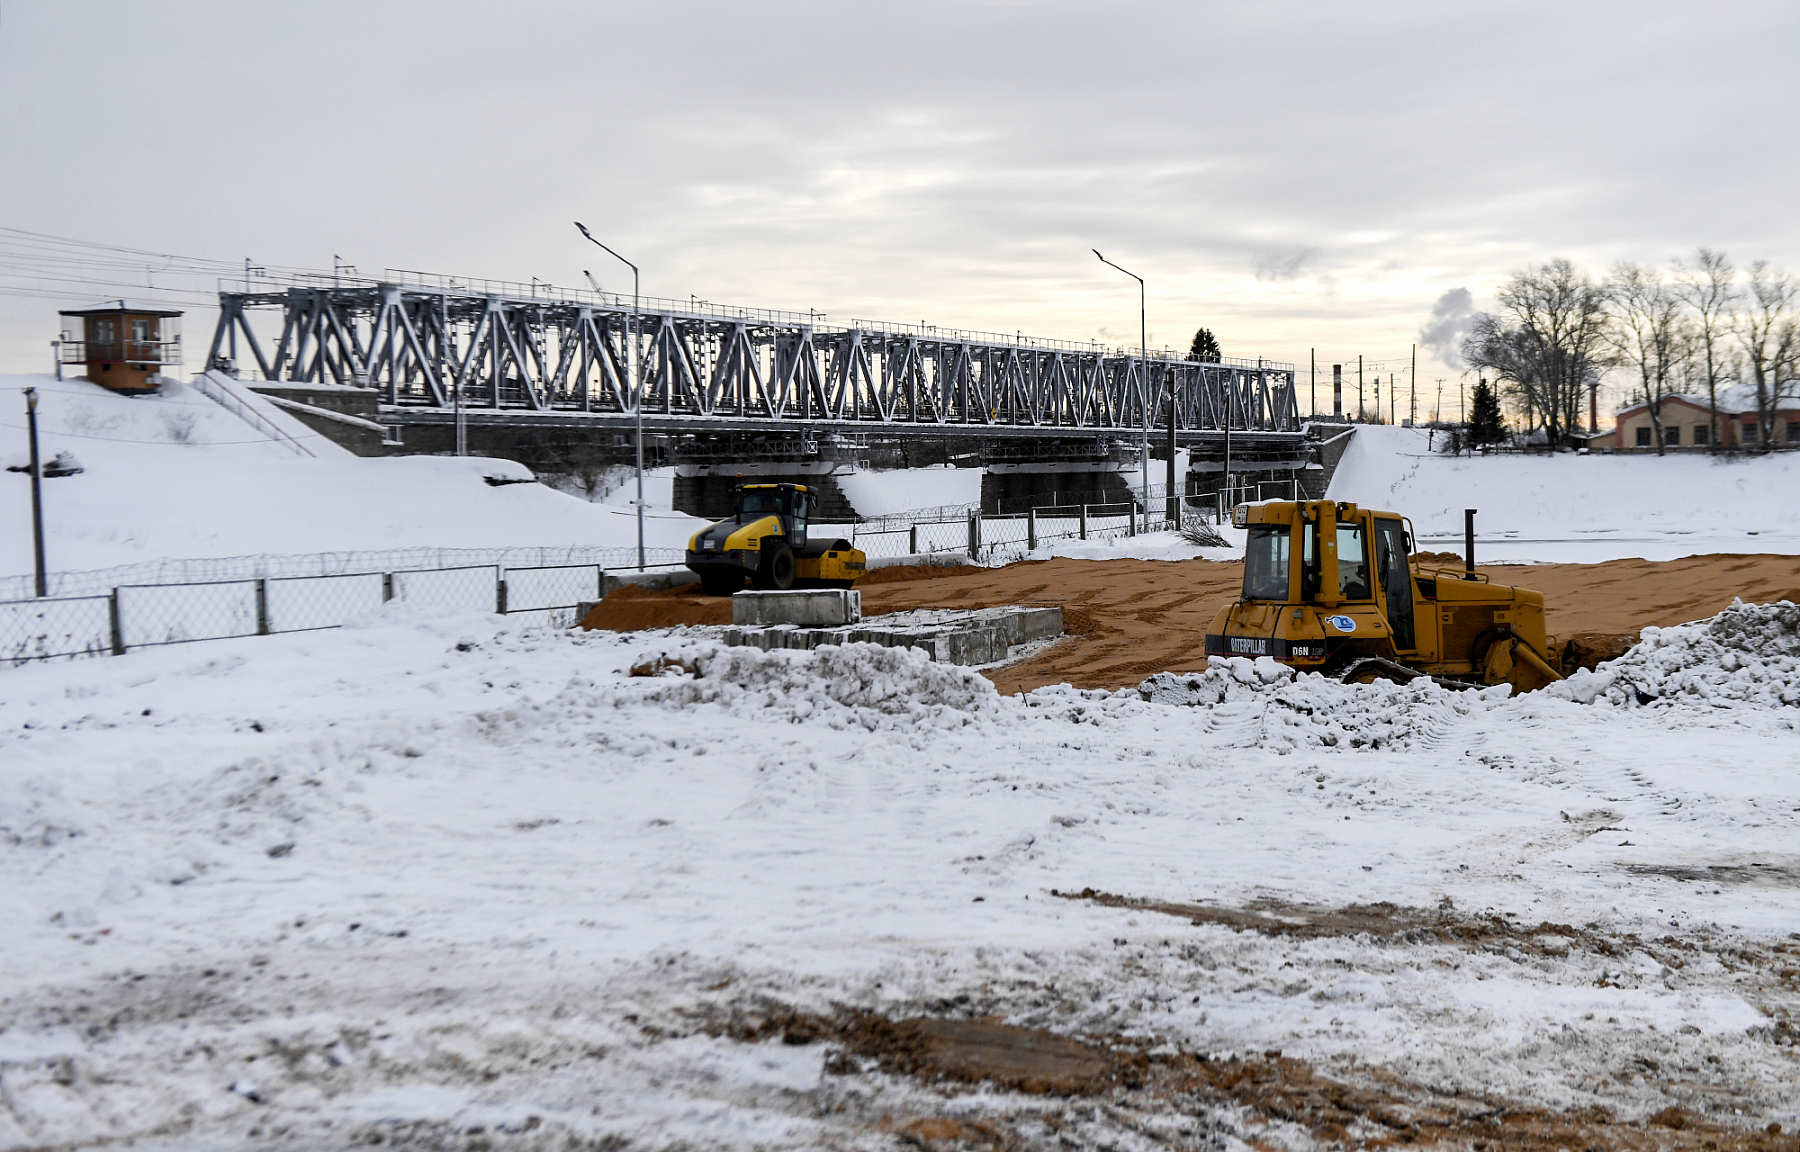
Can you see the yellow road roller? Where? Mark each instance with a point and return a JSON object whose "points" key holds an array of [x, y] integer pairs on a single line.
{"points": [[765, 544]]}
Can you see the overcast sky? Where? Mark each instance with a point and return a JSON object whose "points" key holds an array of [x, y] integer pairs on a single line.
{"points": [[1292, 175]]}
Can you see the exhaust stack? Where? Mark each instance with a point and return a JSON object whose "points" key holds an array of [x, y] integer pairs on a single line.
{"points": [[1469, 543]]}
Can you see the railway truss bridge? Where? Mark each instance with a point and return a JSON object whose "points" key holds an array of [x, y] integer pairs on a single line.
{"points": [[436, 349]]}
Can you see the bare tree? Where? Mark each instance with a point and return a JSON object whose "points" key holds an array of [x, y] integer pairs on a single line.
{"points": [[1708, 284], [1767, 332], [1648, 333], [1545, 346]]}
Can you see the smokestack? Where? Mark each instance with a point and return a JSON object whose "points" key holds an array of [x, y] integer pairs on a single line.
{"points": [[1337, 390]]}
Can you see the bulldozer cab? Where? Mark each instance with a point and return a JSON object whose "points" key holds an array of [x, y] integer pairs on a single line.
{"points": [[791, 502], [1346, 556]]}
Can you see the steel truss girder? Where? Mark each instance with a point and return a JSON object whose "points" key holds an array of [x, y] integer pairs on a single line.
{"points": [[437, 347]]}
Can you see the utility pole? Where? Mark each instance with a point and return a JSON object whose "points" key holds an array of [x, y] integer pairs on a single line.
{"points": [[37, 498], [1360, 415], [1315, 382], [637, 390], [1337, 391], [1171, 495], [1143, 368]]}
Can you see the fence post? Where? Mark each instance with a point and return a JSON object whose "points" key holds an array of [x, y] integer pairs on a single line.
{"points": [[118, 631], [912, 543], [387, 586], [262, 606], [500, 595], [1131, 519], [975, 535], [1084, 521], [1031, 529]]}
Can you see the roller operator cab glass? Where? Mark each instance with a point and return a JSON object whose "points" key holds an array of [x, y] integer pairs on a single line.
{"points": [[766, 501], [1266, 563], [1353, 563]]}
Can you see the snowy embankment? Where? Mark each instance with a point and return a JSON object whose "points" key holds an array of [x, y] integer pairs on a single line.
{"points": [[177, 475], [439, 877], [1571, 508]]}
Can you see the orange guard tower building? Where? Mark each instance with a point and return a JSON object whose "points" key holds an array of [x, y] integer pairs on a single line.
{"points": [[125, 345]]}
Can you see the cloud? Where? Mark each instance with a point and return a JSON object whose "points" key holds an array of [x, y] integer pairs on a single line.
{"points": [[1451, 317], [1270, 266]]}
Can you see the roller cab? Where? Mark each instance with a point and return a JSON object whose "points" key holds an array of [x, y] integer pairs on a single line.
{"points": [[1330, 587], [765, 544]]}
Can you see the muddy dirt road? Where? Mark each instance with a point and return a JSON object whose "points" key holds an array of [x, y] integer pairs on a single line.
{"points": [[1129, 618]]}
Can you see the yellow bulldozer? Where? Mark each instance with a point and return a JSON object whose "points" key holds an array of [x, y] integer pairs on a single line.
{"points": [[1333, 588], [765, 543]]}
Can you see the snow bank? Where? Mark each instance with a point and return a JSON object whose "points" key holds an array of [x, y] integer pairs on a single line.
{"points": [[1578, 509], [177, 475], [1274, 708], [839, 686], [1746, 656]]}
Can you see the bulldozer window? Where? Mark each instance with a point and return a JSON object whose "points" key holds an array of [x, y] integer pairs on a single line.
{"points": [[1353, 563], [1266, 563]]}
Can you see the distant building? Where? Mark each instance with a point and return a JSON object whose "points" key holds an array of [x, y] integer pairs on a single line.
{"points": [[1687, 424], [124, 345]]}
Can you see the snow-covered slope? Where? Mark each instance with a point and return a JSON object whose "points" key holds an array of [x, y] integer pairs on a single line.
{"points": [[177, 475], [1576, 508]]}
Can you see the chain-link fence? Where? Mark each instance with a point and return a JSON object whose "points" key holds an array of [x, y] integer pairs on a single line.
{"points": [[101, 582], [149, 615], [1001, 539], [304, 603], [47, 629]]}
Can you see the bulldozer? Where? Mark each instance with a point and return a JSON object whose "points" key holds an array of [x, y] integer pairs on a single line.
{"points": [[1333, 588], [764, 543]]}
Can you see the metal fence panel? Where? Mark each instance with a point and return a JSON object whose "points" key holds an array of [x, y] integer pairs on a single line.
{"points": [[45, 629], [307, 602], [474, 588], [557, 586], [178, 613]]}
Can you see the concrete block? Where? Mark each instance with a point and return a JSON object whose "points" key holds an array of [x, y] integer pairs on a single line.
{"points": [[810, 608], [1031, 624]]}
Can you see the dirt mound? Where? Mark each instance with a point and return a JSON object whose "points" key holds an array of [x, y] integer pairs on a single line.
{"points": [[1591, 649], [947, 568], [630, 608]]}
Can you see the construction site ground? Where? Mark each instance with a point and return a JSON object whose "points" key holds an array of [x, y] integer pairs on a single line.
{"points": [[1129, 618]]}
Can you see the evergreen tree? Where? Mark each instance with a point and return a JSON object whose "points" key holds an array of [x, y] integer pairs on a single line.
{"points": [[1485, 426], [1205, 348]]}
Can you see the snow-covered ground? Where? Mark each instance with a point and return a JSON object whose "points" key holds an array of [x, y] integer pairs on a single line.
{"points": [[1576, 509], [902, 490], [177, 475], [432, 878]]}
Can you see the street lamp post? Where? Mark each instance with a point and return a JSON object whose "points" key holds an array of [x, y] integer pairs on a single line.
{"points": [[1143, 368], [637, 406]]}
